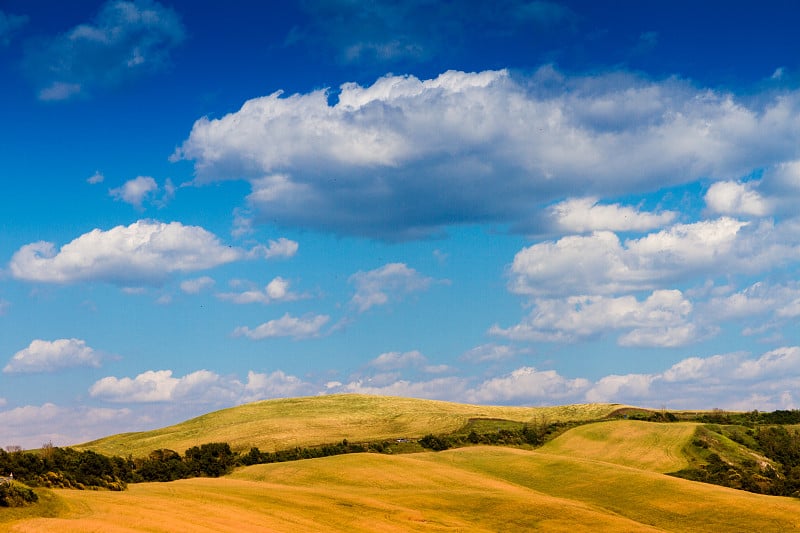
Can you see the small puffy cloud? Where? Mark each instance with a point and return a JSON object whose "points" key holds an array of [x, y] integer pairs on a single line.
{"points": [[135, 191], [197, 285], [143, 188], [95, 178], [527, 384], [374, 162], [283, 247], [276, 290], [49, 356], [9, 25], [145, 252], [733, 198], [659, 320], [580, 215], [126, 39], [391, 281], [287, 326]]}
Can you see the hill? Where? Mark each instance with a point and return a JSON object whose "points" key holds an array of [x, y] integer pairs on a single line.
{"points": [[603, 476], [285, 423], [470, 489]]}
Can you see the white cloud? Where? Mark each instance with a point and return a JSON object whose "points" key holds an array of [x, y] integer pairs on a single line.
{"points": [[491, 352], [527, 384], [141, 189], [160, 386], [95, 178], [135, 191], [580, 215], [396, 360], [277, 384], [659, 320], [197, 285], [49, 356], [733, 198], [600, 264], [281, 248], [287, 326], [758, 300], [436, 389], [498, 144], [775, 363], [276, 290], [729, 381], [628, 386], [145, 252], [391, 281], [695, 368], [201, 386], [126, 39]]}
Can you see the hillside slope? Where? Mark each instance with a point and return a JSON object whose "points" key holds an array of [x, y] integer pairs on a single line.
{"points": [[658, 447], [285, 423], [470, 489]]}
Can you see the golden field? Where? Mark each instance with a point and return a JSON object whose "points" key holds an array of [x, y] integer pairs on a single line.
{"points": [[605, 476]]}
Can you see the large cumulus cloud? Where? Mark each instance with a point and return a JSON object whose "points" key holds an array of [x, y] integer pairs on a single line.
{"points": [[405, 158]]}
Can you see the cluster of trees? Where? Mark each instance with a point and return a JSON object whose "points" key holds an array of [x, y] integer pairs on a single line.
{"points": [[66, 468], [751, 418], [534, 434], [54, 467], [257, 457]]}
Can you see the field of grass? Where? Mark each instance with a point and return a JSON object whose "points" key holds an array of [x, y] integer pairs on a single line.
{"points": [[605, 476], [657, 447], [468, 489], [279, 424]]}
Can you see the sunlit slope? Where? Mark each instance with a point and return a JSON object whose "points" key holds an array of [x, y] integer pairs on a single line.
{"points": [[658, 500], [468, 489], [646, 445], [285, 423], [356, 493]]}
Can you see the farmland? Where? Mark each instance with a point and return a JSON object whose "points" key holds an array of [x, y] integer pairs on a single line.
{"points": [[603, 476]]}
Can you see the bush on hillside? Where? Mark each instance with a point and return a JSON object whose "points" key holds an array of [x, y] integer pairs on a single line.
{"points": [[13, 494]]}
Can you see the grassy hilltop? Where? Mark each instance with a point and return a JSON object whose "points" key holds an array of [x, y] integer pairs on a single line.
{"points": [[603, 476], [279, 424]]}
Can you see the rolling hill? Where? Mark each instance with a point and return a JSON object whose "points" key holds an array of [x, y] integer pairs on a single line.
{"points": [[604, 476], [285, 423]]}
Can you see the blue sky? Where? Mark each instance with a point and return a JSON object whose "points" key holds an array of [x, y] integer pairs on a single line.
{"points": [[530, 203]]}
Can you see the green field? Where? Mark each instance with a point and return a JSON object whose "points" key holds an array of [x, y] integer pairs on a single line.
{"points": [[604, 476], [279, 424]]}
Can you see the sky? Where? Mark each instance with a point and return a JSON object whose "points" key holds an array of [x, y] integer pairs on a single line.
{"points": [[205, 204]]}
